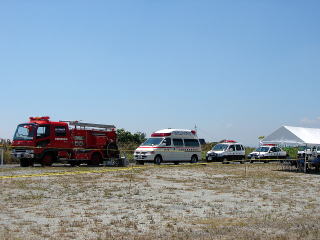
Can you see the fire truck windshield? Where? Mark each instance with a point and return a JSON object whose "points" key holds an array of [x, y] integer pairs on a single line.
{"points": [[25, 132]]}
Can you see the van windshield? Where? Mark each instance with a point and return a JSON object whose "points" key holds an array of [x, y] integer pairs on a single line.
{"points": [[303, 148], [220, 147], [152, 141], [262, 149]]}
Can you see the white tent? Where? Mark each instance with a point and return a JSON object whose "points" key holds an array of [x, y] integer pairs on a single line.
{"points": [[294, 136]]}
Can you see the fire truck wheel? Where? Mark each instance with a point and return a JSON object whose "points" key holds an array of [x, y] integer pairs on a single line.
{"points": [[112, 151], [74, 164], [47, 159], [24, 162], [158, 159], [95, 160]]}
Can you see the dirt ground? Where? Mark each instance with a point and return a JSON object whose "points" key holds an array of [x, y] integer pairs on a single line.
{"points": [[214, 201]]}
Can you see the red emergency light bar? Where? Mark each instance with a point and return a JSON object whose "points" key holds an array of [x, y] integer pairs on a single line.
{"points": [[193, 132], [229, 141], [46, 118], [269, 144], [160, 134]]}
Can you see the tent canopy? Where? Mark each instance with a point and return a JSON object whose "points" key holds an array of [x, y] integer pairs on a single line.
{"points": [[294, 136]]}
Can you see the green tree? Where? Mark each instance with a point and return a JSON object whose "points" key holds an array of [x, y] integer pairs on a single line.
{"points": [[126, 137]]}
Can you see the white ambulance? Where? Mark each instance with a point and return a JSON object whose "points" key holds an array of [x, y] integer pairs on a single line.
{"points": [[169, 145]]}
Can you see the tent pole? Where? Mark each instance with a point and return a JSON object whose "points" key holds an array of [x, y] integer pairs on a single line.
{"points": [[305, 158], [2, 156]]}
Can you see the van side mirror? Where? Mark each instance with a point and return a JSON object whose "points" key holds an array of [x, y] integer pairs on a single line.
{"points": [[231, 149]]}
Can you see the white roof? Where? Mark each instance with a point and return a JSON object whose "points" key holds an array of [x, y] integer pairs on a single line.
{"points": [[294, 135], [170, 130]]}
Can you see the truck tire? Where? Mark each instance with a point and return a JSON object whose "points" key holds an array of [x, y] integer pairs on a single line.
{"points": [[47, 159], [74, 163], [95, 160], [24, 162], [112, 151]]}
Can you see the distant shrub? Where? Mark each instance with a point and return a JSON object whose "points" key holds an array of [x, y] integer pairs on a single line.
{"points": [[291, 151]]}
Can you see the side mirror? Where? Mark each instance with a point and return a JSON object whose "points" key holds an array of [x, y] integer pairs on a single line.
{"points": [[231, 150], [270, 151]]}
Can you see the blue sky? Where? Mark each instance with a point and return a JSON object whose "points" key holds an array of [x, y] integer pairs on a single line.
{"points": [[236, 69]]}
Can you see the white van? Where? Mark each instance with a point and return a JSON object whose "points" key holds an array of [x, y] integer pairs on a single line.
{"points": [[169, 145], [267, 151], [228, 150]]}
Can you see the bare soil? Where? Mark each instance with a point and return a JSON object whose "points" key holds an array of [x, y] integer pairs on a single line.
{"points": [[216, 201]]}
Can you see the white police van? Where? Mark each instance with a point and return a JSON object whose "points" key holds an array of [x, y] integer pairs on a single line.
{"points": [[169, 145], [228, 150], [267, 151]]}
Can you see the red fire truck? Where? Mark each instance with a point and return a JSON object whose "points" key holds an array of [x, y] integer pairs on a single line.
{"points": [[45, 142]]}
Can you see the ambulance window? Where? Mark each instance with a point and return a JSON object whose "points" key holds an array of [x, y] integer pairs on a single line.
{"points": [[60, 131], [168, 141], [238, 147], [177, 142], [191, 143], [43, 131]]}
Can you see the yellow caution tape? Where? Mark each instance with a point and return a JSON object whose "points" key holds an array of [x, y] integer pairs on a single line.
{"points": [[46, 174], [94, 171]]}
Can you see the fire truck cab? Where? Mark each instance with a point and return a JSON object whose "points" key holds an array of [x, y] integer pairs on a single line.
{"points": [[43, 141]]}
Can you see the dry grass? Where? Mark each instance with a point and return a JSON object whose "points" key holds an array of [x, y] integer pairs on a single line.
{"points": [[256, 201]]}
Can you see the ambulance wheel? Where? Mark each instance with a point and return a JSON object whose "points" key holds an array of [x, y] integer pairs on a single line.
{"points": [[158, 160], [47, 159], [24, 163], [194, 159], [95, 160]]}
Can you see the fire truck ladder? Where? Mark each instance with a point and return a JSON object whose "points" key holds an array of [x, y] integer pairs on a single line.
{"points": [[90, 125]]}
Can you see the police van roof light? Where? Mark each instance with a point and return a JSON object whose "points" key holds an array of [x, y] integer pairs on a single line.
{"points": [[160, 134]]}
